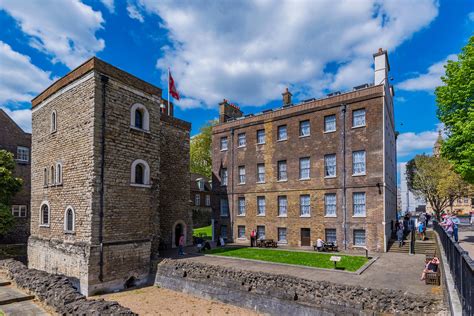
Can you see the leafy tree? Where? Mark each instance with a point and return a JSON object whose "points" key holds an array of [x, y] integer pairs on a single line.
{"points": [[9, 185], [200, 152], [434, 179], [455, 101]]}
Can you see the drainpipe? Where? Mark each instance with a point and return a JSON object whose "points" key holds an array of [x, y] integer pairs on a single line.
{"points": [[344, 198], [231, 211], [104, 81]]}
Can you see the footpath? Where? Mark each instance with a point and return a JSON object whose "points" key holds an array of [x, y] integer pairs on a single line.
{"points": [[16, 303]]}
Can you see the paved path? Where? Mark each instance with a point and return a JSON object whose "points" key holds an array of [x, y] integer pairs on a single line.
{"points": [[466, 241], [9, 297]]}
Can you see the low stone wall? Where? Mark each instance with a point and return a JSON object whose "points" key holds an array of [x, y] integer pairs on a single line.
{"points": [[274, 294], [57, 292]]}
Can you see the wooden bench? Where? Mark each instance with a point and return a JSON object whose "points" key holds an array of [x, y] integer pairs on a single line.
{"points": [[433, 278]]}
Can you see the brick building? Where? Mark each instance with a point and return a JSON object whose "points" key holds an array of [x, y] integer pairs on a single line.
{"points": [[321, 168], [15, 140], [110, 178], [201, 191]]}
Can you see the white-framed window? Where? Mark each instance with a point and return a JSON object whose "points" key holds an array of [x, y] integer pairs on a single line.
{"points": [[260, 206], [282, 171], [329, 123], [358, 163], [330, 204], [359, 237], [52, 175], [241, 174], [224, 176], [305, 129], [69, 220], [197, 199], [140, 173], [260, 173], [305, 205], [19, 210], [305, 168], [282, 133], [139, 117], [59, 173], [45, 214], [358, 203], [22, 154], [208, 200], [224, 207], [54, 121], [261, 232], [358, 118], [330, 235], [45, 177], [241, 232], [224, 231], [241, 206], [330, 165], [282, 235], [261, 136], [224, 143], [242, 140], [282, 206]]}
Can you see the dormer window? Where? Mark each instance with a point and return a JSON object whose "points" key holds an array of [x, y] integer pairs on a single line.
{"points": [[139, 117], [201, 184]]}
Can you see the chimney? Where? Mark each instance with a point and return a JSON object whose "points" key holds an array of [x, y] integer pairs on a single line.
{"points": [[228, 111], [286, 97], [381, 67]]}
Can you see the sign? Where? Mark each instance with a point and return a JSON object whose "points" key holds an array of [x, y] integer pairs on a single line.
{"points": [[335, 258]]}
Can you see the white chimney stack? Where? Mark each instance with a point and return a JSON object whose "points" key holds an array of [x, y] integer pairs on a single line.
{"points": [[381, 67]]}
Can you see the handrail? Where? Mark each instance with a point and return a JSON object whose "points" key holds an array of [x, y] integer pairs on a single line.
{"points": [[412, 243]]}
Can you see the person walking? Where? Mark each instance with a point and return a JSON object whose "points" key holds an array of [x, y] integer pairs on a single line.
{"points": [[400, 237], [252, 238], [421, 230], [181, 245], [456, 223], [448, 225]]}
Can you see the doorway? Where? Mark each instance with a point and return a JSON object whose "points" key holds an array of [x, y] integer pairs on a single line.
{"points": [[178, 231], [305, 237]]}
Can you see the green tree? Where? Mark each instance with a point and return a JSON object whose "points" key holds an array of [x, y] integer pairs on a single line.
{"points": [[434, 179], [200, 151], [9, 185], [455, 101]]}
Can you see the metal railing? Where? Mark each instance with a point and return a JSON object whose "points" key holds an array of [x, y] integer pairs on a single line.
{"points": [[462, 269]]}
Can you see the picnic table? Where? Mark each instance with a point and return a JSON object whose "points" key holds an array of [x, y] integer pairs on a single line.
{"points": [[266, 243], [327, 246]]}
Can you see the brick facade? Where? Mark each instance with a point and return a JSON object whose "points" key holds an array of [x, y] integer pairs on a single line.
{"points": [[201, 208]]}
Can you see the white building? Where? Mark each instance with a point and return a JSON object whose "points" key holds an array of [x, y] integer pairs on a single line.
{"points": [[409, 201]]}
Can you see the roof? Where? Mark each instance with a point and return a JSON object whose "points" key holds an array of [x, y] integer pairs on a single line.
{"points": [[13, 123], [194, 182]]}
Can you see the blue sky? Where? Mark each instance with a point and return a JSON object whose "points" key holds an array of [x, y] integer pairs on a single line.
{"points": [[245, 51]]}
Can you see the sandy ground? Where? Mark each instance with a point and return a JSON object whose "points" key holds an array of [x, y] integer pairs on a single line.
{"points": [[158, 301]]}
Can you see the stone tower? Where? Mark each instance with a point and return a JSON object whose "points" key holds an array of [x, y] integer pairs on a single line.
{"points": [[110, 179], [437, 145]]}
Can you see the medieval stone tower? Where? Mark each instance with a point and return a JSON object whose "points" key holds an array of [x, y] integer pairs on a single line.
{"points": [[110, 179]]}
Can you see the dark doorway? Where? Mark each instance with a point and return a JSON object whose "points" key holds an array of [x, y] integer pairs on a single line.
{"points": [[305, 237], [178, 230]]}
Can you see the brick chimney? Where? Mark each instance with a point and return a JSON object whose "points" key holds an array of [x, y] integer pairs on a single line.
{"points": [[228, 111], [381, 67], [286, 97]]}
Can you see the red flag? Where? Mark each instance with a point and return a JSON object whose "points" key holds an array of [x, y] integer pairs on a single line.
{"points": [[172, 88]]}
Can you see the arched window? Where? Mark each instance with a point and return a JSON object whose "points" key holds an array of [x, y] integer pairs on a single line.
{"points": [[52, 175], [59, 173], [69, 219], [140, 173], [53, 121], [45, 177], [44, 214], [139, 117]]}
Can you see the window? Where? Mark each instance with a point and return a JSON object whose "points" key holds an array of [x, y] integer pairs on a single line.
{"points": [[19, 210], [260, 172], [223, 143], [59, 173], [224, 207], [224, 176], [241, 206], [140, 174], [358, 163], [44, 214], [139, 117], [45, 177], [260, 232], [242, 141], [261, 136], [52, 175], [282, 206], [358, 118], [330, 165], [53, 121], [69, 218], [282, 174], [305, 208], [201, 184], [197, 200], [208, 200], [260, 206], [241, 232], [22, 154], [330, 235], [305, 166], [242, 174], [282, 135], [330, 204], [359, 237], [329, 123], [282, 235], [358, 200], [224, 231], [304, 128]]}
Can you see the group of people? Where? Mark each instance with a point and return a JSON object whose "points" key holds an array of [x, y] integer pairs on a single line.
{"points": [[406, 224], [450, 223]]}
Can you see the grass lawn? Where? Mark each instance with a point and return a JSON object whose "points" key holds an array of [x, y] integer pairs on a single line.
{"points": [[203, 231], [309, 259]]}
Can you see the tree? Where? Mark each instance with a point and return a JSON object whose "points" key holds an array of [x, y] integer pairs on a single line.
{"points": [[455, 101], [200, 151], [9, 185], [434, 179]]}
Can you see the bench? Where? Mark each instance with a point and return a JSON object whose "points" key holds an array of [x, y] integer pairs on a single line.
{"points": [[329, 246], [433, 278], [267, 243]]}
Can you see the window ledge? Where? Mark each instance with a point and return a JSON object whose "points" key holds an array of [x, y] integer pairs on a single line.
{"points": [[282, 140], [139, 129], [358, 126], [359, 216], [260, 182], [53, 132], [223, 150], [330, 216], [304, 179], [260, 143], [241, 146], [241, 183], [305, 216], [359, 175], [140, 185], [304, 136], [330, 177], [240, 215], [69, 232], [260, 215], [286, 180], [44, 225], [328, 132], [282, 242], [242, 238]]}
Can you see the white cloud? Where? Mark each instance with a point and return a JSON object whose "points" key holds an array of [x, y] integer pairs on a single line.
{"points": [[471, 16], [429, 80], [64, 29], [21, 117], [410, 143], [21, 80], [134, 12], [109, 4], [249, 51]]}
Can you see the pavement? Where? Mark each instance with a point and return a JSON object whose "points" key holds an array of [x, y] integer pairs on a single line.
{"points": [[16, 303], [466, 241]]}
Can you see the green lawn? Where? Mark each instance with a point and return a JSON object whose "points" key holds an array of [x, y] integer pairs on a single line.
{"points": [[203, 231], [310, 259]]}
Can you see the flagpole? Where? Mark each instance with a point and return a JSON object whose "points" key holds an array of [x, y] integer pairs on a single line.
{"points": [[169, 104]]}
